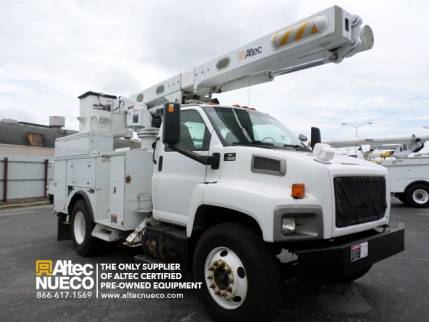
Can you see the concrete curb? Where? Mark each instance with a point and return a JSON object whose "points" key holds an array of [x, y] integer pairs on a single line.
{"points": [[24, 205]]}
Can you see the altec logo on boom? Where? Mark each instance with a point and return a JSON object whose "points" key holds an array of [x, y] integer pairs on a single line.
{"points": [[64, 275], [244, 54]]}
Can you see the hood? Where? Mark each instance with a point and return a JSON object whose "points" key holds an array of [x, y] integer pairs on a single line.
{"points": [[339, 162]]}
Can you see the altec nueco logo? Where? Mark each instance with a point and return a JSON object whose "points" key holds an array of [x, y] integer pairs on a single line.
{"points": [[64, 275]]}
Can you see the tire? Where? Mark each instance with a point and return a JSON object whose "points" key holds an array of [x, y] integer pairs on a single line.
{"points": [[84, 243], [251, 289], [417, 195], [356, 275]]}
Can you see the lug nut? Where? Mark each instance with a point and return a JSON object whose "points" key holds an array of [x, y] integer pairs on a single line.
{"points": [[215, 264], [224, 294], [228, 271], [222, 265], [210, 277], [229, 289], [211, 268], [212, 286], [217, 292]]}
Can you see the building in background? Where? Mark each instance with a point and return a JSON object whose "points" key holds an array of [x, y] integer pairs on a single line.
{"points": [[29, 139], [25, 151]]}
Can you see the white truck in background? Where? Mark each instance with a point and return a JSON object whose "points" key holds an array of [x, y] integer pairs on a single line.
{"points": [[224, 189], [406, 162]]}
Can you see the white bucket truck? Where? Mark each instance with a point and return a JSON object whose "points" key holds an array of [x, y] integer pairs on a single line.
{"points": [[224, 189]]}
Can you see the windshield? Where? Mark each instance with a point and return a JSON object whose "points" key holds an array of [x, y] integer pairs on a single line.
{"points": [[248, 127]]}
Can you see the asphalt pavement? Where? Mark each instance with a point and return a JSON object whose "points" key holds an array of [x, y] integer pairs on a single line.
{"points": [[396, 289]]}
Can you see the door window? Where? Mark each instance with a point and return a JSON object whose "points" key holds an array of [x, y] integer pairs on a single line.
{"points": [[194, 135]]}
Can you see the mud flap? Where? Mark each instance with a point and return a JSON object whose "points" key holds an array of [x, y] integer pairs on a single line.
{"points": [[63, 228]]}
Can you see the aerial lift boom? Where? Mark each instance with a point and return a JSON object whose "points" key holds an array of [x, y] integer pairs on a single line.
{"points": [[328, 36], [403, 145]]}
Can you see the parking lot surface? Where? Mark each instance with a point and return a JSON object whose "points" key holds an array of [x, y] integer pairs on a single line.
{"points": [[396, 289]]}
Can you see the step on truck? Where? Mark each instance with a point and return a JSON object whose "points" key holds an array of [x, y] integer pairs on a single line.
{"points": [[226, 190]]}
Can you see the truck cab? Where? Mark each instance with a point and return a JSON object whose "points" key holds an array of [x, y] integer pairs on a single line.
{"points": [[260, 164], [246, 189]]}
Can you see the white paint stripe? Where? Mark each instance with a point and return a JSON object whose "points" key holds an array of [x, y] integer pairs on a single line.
{"points": [[292, 35], [307, 30]]}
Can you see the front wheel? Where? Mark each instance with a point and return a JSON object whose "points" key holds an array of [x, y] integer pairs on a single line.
{"points": [[240, 278], [418, 195]]}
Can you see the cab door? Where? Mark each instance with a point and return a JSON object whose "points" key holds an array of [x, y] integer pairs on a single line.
{"points": [[176, 176]]}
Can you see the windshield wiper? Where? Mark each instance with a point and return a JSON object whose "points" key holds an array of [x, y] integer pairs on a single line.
{"points": [[272, 146], [256, 143], [297, 147]]}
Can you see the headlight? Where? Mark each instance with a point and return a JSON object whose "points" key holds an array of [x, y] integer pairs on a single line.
{"points": [[288, 225]]}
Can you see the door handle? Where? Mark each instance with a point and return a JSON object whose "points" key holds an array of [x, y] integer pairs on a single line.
{"points": [[160, 160], [154, 149]]}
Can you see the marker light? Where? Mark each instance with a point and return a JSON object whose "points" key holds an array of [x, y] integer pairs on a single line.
{"points": [[298, 190], [170, 108]]}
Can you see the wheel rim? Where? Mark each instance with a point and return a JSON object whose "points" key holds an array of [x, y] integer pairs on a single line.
{"points": [[226, 278], [420, 196], [79, 227]]}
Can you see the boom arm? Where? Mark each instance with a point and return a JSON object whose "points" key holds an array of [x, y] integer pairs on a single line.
{"points": [[328, 36], [401, 146], [409, 141]]}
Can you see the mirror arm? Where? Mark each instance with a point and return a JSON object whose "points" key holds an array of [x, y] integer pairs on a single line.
{"points": [[212, 160]]}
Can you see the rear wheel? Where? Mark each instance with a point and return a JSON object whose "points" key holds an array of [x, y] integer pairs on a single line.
{"points": [[240, 278], [81, 229], [417, 195]]}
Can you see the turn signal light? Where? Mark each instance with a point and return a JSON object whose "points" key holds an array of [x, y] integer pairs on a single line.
{"points": [[298, 190]]}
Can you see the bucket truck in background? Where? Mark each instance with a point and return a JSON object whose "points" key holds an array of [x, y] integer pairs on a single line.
{"points": [[406, 158], [223, 190]]}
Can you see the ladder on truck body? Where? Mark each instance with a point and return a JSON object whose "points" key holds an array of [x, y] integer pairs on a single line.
{"points": [[328, 36]]}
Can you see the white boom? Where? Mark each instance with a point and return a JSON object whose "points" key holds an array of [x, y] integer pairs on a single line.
{"points": [[328, 36], [410, 142]]}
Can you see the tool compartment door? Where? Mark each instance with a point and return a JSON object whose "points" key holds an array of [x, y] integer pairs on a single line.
{"points": [[117, 189]]}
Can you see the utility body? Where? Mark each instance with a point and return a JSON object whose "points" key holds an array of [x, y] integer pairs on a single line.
{"points": [[221, 189]]}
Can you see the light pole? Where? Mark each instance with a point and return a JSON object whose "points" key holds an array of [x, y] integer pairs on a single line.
{"points": [[356, 125]]}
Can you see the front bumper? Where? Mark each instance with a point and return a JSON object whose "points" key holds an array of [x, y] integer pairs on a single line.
{"points": [[346, 257]]}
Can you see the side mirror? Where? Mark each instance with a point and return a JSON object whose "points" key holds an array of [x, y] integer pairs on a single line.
{"points": [[171, 137], [316, 137], [302, 138], [171, 124]]}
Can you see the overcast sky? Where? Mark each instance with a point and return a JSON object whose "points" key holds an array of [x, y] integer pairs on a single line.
{"points": [[53, 51]]}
